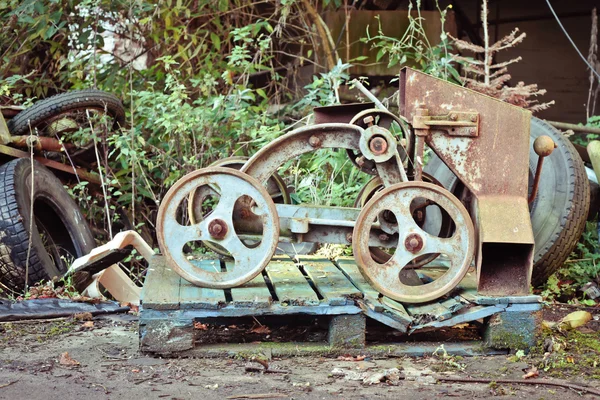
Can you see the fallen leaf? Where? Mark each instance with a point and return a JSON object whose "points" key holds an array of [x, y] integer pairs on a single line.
{"points": [[132, 307], [84, 316], [200, 326], [261, 329], [88, 324], [350, 358], [461, 326], [135, 371], [548, 324], [575, 319], [65, 359], [570, 360], [531, 373]]}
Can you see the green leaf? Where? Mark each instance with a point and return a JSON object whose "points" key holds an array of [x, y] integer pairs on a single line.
{"points": [[262, 93], [216, 41]]}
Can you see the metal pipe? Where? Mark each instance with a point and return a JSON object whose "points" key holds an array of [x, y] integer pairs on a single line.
{"points": [[543, 147], [573, 127], [536, 180], [369, 95]]}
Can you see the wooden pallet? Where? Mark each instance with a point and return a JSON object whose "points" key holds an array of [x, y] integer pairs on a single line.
{"points": [[307, 286]]}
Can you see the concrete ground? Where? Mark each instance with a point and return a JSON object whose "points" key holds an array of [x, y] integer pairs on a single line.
{"points": [[103, 362]]}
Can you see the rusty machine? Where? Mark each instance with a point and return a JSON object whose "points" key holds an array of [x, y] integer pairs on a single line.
{"points": [[404, 220]]}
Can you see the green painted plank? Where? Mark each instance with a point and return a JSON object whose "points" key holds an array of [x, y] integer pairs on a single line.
{"points": [[253, 294], [469, 295], [394, 305], [191, 296], [464, 315], [385, 318], [329, 280], [290, 285], [453, 304], [430, 311], [348, 265], [161, 287]]}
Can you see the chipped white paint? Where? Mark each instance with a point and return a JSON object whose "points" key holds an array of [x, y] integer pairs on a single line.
{"points": [[446, 106], [457, 150]]}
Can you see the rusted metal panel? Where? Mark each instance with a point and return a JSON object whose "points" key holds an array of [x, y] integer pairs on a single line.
{"points": [[492, 162]]}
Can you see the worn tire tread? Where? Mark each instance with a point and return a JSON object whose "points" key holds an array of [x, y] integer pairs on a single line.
{"points": [[14, 236], [63, 102], [572, 223]]}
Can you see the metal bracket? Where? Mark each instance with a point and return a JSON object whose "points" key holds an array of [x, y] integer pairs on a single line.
{"points": [[456, 123]]}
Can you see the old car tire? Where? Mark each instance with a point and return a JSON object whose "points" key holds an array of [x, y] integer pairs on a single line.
{"points": [[62, 116], [59, 229], [559, 211], [51, 107]]}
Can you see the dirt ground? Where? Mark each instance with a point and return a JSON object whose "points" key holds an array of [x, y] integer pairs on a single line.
{"points": [[103, 362]]}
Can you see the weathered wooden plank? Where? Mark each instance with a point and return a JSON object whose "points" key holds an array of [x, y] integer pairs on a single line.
{"points": [[392, 319], [429, 312], [464, 315], [469, 295], [191, 296], [330, 281], [161, 288], [377, 303], [290, 285], [349, 267], [253, 294], [453, 304], [394, 305]]}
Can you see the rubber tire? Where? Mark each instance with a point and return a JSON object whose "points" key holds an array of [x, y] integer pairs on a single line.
{"points": [[64, 102], [559, 211], [58, 209]]}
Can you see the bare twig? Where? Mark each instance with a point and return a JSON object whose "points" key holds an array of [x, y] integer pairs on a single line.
{"points": [[543, 382], [8, 384]]}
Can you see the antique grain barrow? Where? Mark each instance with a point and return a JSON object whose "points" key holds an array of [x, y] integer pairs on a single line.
{"points": [[424, 257]]}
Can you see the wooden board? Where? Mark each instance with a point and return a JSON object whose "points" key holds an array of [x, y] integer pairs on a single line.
{"points": [[291, 287], [253, 294], [191, 296], [433, 311], [349, 267], [330, 281], [161, 290], [394, 309]]}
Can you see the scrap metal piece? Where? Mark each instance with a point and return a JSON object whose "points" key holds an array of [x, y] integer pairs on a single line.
{"points": [[100, 263], [249, 261], [414, 242], [267, 160]]}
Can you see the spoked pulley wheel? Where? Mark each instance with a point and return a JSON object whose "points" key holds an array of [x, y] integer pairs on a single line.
{"points": [[382, 119], [413, 242], [430, 217], [175, 232], [197, 202]]}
